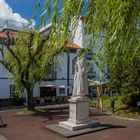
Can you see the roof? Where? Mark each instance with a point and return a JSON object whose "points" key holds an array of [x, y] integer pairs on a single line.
{"points": [[4, 35], [13, 25], [43, 29], [73, 46], [69, 45]]}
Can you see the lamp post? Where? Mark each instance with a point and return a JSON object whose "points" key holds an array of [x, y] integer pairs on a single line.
{"points": [[68, 71]]}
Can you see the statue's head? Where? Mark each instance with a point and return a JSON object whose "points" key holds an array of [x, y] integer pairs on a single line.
{"points": [[79, 52]]}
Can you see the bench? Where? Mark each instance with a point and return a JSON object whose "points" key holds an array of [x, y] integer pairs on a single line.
{"points": [[55, 107]]}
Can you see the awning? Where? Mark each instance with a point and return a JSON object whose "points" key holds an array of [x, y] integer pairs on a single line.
{"points": [[53, 85], [62, 86]]}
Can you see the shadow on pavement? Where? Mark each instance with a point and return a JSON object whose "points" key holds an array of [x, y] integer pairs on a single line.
{"points": [[53, 114], [113, 126], [3, 125]]}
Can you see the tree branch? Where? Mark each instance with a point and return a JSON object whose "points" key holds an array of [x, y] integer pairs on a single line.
{"points": [[30, 59]]}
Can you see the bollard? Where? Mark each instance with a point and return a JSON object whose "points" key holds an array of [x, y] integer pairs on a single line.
{"points": [[1, 122], [138, 106], [112, 104]]}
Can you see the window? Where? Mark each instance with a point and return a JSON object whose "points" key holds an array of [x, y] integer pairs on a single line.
{"points": [[13, 91], [89, 56], [90, 67], [73, 65], [61, 90], [51, 73], [47, 91]]}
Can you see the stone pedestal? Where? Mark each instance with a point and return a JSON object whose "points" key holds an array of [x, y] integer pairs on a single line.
{"points": [[78, 115]]}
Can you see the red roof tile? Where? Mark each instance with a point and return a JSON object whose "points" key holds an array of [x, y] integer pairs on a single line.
{"points": [[73, 46], [3, 35]]}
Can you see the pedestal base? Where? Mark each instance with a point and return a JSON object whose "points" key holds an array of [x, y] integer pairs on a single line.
{"points": [[78, 115], [68, 133], [70, 126]]}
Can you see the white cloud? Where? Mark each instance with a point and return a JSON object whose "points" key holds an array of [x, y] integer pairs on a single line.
{"points": [[6, 13], [32, 24]]}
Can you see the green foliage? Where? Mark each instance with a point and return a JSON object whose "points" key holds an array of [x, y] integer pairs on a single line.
{"points": [[28, 64], [113, 27], [17, 101], [122, 110], [130, 99], [118, 103]]}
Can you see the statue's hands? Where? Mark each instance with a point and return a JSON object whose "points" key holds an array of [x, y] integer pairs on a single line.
{"points": [[81, 73], [75, 77], [76, 68]]}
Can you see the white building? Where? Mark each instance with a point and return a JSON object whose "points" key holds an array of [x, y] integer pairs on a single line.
{"points": [[60, 80]]}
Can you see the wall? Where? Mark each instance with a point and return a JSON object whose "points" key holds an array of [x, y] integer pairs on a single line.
{"points": [[61, 76], [78, 37]]}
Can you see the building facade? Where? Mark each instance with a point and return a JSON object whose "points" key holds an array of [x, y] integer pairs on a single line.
{"points": [[60, 80]]}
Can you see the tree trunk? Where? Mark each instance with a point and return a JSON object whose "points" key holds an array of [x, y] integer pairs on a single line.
{"points": [[30, 102], [99, 97]]}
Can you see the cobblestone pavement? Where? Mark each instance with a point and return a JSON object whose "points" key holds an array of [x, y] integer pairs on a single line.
{"points": [[31, 127]]}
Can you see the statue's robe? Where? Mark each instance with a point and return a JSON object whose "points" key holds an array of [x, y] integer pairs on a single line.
{"points": [[80, 87]]}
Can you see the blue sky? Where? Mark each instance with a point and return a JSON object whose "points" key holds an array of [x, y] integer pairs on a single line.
{"points": [[24, 7], [22, 10]]}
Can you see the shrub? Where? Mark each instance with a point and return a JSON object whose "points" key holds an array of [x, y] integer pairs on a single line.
{"points": [[130, 99]]}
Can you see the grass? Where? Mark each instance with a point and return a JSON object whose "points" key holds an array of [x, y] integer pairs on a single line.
{"points": [[92, 102], [121, 109], [128, 112], [118, 104]]}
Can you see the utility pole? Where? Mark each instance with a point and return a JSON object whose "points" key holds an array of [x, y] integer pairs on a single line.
{"points": [[68, 71]]}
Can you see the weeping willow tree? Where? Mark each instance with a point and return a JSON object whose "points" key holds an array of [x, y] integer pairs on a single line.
{"points": [[28, 63], [117, 21]]}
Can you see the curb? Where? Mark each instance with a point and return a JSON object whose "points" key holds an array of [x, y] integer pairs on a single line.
{"points": [[120, 117], [124, 118]]}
